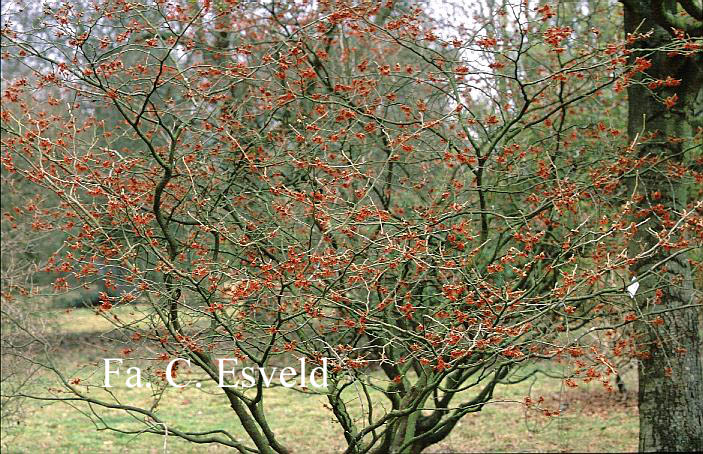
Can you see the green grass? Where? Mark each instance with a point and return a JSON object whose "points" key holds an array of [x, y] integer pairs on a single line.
{"points": [[594, 421]]}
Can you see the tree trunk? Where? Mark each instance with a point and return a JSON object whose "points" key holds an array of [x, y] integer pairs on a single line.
{"points": [[671, 407], [670, 368]]}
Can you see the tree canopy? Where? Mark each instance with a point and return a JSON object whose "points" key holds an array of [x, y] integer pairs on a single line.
{"points": [[433, 207]]}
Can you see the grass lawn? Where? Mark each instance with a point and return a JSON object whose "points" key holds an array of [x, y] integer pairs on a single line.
{"points": [[594, 419]]}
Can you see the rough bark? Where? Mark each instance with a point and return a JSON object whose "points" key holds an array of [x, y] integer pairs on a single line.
{"points": [[670, 369]]}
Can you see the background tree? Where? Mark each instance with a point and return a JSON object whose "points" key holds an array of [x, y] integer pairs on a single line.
{"points": [[665, 103]]}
